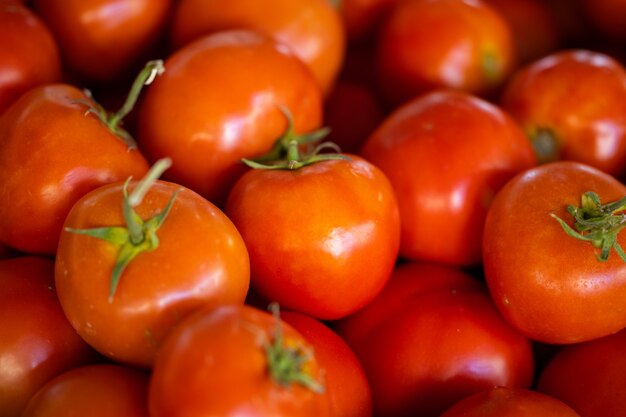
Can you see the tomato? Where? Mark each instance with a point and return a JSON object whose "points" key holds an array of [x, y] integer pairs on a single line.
{"points": [[549, 285], [323, 238], [312, 29], [446, 154], [102, 390], [104, 41], [589, 376], [431, 338], [572, 105], [195, 257], [217, 102], [37, 342], [224, 362], [509, 402], [428, 44], [345, 379], [29, 55]]}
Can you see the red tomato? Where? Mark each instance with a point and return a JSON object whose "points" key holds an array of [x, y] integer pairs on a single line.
{"points": [[345, 379], [104, 41], [223, 362], [218, 101], [549, 285], [589, 376], [29, 55], [428, 44], [104, 390], [323, 238], [431, 338], [509, 402], [312, 29], [37, 342], [446, 154], [572, 105], [199, 258]]}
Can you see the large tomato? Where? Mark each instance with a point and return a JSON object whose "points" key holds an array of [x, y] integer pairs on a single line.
{"points": [[446, 154], [551, 286]]}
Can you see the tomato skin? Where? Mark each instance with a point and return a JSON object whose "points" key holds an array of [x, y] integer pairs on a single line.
{"points": [[446, 154], [201, 259], [52, 153], [509, 402], [545, 283], [432, 337], [105, 41], [346, 381], [589, 376], [323, 239], [36, 340], [29, 55], [101, 390], [312, 29], [560, 94], [209, 110], [219, 354]]}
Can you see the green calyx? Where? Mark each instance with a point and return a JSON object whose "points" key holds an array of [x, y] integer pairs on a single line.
{"points": [[287, 152], [597, 223], [114, 120], [545, 143], [138, 235], [287, 364]]}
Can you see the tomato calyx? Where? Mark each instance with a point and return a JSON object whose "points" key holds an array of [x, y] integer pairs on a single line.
{"points": [[113, 121], [138, 235], [287, 364], [287, 152], [597, 223], [545, 143]]}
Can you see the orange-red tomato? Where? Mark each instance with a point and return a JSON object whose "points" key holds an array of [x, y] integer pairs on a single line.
{"points": [[218, 101], [312, 29]]}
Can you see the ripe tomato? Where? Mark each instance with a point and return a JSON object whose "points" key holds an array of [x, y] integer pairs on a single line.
{"points": [[235, 361], [196, 258], [217, 102], [36, 340], [104, 41], [446, 154], [589, 376], [509, 402], [428, 44], [432, 337], [323, 238], [551, 286], [572, 105], [312, 29], [345, 379], [102, 390]]}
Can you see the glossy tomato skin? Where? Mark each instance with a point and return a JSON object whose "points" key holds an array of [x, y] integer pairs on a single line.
{"points": [[425, 44], [37, 342], [589, 376], [578, 98], [509, 402], [323, 239], [346, 382], [446, 154], [29, 55], [218, 101], [201, 259], [431, 338], [219, 354], [550, 286], [105, 41], [312, 29], [52, 153], [101, 390]]}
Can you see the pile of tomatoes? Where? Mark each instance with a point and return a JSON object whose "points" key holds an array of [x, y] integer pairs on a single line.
{"points": [[382, 208]]}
